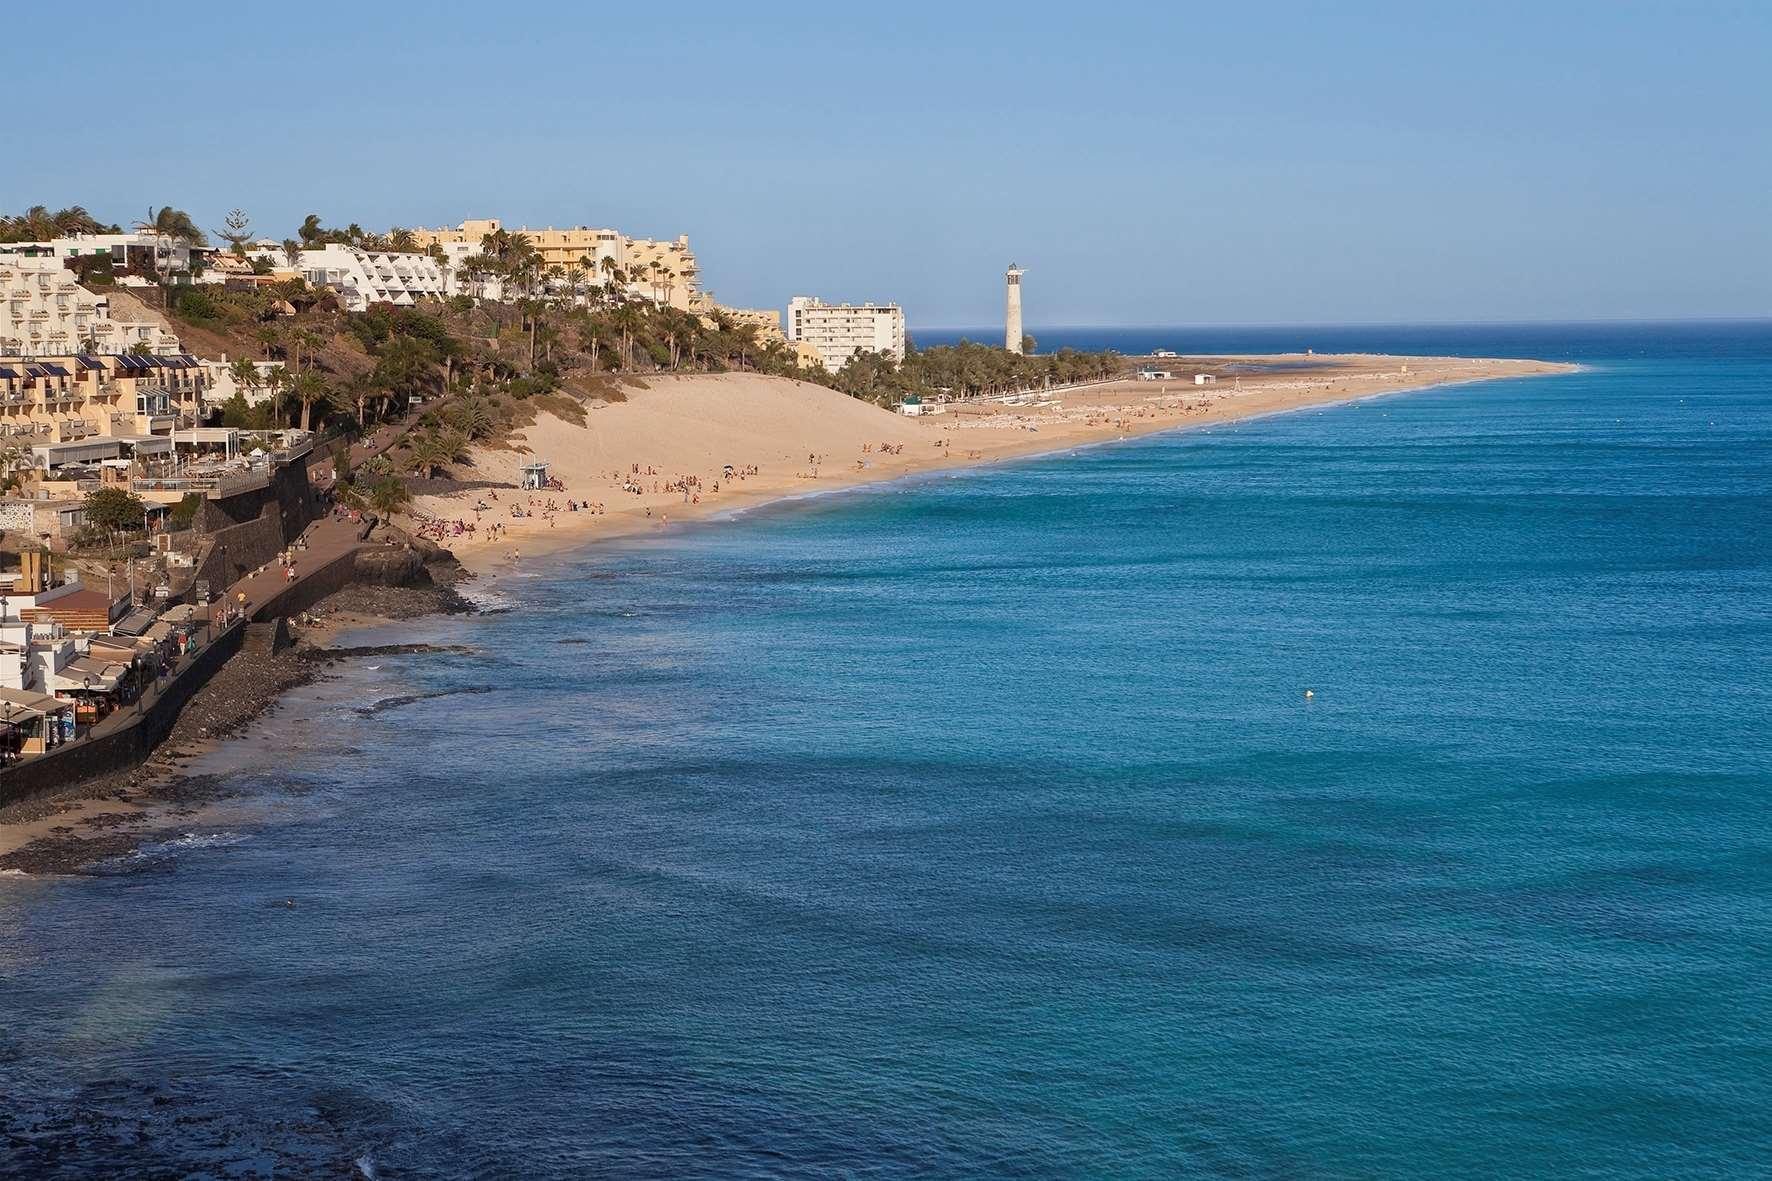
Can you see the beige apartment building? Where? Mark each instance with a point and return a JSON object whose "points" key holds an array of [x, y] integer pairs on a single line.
{"points": [[662, 270], [836, 332], [767, 322], [85, 407]]}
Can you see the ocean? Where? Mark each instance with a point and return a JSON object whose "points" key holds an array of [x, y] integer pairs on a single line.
{"points": [[980, 825]]}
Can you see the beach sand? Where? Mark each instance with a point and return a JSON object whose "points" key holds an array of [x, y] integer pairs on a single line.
{"points": [[797, 438]]}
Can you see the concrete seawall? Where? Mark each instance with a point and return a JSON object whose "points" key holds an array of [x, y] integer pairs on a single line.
{"points": [[313, 586], [126, 737]]}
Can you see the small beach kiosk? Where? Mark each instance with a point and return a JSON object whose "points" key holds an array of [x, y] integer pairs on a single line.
{"points": [[912, 406], [535, 477]]}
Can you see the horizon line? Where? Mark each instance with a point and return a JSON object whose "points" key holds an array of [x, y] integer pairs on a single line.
{"points": [[998, 328]]}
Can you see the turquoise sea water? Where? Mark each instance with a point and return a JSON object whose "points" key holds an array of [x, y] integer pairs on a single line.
{"points": [[979, 826]]}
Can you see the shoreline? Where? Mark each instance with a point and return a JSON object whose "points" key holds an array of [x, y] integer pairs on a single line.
{"points": [[76, 830], [1116, 412]]}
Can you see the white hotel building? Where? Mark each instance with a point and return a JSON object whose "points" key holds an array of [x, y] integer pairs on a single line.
{"points": [[836, 332], [45, 313], [363, 277], [133, 256]]}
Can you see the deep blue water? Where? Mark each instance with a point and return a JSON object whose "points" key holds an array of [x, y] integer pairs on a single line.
{"points": [[1697, 340], [978, 826]]}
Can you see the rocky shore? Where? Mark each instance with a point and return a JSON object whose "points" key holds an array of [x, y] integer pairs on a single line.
{"points": [[86, 824]]}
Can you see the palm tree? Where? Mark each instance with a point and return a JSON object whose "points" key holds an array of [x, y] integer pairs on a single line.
{"points": [[277, 380], [306, 338], [359, 389], [522, 263], [434, 449], [309, 388], [172, 223], [39, 224], [590, 337], [532, 310], [75, 220], [401, 240], [627, 321], [473, 416], [495, 244], [245, 375], [441, 257], [388, 496]]}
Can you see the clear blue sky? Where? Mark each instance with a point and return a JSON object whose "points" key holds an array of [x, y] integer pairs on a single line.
{"points": [[1149, 163]]}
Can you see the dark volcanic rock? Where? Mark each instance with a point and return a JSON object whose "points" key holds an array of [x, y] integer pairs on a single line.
{"points": [[395, 602], [393, 567]]}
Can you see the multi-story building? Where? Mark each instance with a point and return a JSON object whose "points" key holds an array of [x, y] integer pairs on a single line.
{"points": [[839, 331], [89, 408], [45, 312], [662, 270], [132, 259], [767, 321], [363, 277]]}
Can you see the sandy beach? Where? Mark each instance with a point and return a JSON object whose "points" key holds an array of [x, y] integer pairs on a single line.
{"points": [[689, 448]]}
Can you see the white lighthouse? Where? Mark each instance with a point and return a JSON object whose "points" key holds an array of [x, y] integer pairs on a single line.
{"points": [[1012, 324]]}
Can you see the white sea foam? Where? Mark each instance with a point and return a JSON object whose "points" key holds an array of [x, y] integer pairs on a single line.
{"points": [[487, 599], [190, 841]]}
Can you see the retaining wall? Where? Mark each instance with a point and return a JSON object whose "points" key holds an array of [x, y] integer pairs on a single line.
{"points": [[249, 530], [125, 738], [313, 586]]}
